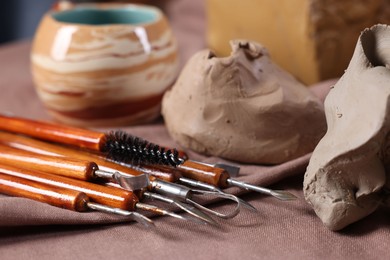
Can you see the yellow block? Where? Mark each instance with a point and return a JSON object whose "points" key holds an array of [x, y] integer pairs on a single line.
{"points": [[312, 39]]}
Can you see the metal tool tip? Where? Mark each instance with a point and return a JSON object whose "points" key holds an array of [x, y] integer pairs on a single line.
{"points": [[279, 194], [283, 195], [195, 213], [160, 211], [248, 205], [165, 212], [172, 214], [147, 222], [134, 215]]}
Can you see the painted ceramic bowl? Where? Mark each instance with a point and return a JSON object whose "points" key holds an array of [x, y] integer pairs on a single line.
{"points": [[104, 64]]}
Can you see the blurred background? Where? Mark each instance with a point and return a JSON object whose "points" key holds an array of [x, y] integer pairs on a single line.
{"points": [[313, 40], [20, 18]]}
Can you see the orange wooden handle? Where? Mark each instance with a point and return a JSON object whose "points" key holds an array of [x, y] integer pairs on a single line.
{"points": [[58, 133], [161, 172], [53, 132], [208, 174], [64, 166], [56, 196], [39, 147], [109, 196], [211, 175]]}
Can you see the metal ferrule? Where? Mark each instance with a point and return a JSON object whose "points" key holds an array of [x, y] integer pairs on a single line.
{"points": [[126, 181], [154, 196], [171, 189], [198, 184], [103, 174]]}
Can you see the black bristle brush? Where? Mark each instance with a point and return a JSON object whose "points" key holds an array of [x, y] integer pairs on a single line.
{"points": [[116, 145], [122, 147]]}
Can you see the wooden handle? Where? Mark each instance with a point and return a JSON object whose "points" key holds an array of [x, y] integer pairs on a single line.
{"points": [[208, 174], [160, 172], [64, 166], [53, 132], [39, 147], [109, 196], [211, 175], [56, 196]]}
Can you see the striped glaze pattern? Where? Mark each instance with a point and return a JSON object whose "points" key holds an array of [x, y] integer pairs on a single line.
{"points": [[101, 75]]}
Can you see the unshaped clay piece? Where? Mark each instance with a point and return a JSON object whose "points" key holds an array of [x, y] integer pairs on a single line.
{"points": [[243, 107], [348, 168]]}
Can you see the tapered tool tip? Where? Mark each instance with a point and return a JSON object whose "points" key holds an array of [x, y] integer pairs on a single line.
{"points": [[247, 205], [147, 222], [280, 194], [195, 213], [162, 212], [283, 195]]}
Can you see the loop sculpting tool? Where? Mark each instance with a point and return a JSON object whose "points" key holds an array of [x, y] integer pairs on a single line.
{"points": [[36, 158], [156, 185], [122, 147], [60, 197], [108, 196], [70, 167]]}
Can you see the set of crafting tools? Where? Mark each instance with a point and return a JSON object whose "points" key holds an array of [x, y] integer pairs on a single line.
{"points": [[82, 170]]}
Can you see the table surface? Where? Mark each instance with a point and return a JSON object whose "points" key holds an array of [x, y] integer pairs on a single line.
{"points": [[279, 230]]}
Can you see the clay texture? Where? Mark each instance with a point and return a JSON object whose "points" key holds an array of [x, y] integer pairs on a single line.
{"points": [[349, 167], [242, 107]]}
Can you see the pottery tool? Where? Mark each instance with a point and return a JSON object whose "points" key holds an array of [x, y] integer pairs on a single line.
{"points": [[159, 186], [70, 167], [91, 140], [108, 196], [220, 178], [80, 168], [60, 197], [120, 145], [174, 175], [134, 150]]}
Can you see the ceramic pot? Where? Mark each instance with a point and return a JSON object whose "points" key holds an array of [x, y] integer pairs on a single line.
{"points": [[104, 64]]}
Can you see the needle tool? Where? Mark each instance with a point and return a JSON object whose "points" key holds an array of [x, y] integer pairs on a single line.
{"points": [[60, 197]]}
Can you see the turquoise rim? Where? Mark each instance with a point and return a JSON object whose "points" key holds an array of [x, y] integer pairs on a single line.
{"points": [[95, 16]]}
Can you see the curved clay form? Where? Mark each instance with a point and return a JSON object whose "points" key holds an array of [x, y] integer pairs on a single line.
{"points": [[348, 168], [243, 107]]}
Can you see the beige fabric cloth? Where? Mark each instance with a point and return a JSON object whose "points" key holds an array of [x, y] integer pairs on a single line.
{"points": [[281, 230]]}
